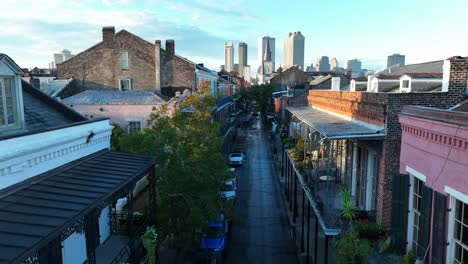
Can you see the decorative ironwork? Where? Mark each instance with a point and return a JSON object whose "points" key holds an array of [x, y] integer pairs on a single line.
{"points": [[34, 259], [77, 227]]}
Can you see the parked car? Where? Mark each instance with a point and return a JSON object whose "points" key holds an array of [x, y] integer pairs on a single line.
{"points": [[228, 190], [236, 159], [214, 239]]}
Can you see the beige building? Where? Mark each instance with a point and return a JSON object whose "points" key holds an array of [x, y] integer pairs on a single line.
{"points": [[293, 53]]}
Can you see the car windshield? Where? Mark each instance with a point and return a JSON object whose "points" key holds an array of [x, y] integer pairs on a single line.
{"points": [[227, 188], [236, 155], [213, 232]]}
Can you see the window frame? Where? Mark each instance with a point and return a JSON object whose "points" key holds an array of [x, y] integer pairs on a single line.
{"points": [[461, 223], [129, 121], [407, 82], [17, 121], [129, 83], [123, 55]]}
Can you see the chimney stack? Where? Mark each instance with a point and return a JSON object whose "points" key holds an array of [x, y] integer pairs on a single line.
{"points": [[170, 47], [455, 76], [108, 34], [157, 65]]}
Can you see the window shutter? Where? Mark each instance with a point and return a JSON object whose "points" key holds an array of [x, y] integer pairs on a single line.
{"points": [[438, 231], [424, 221], [400, 195]]}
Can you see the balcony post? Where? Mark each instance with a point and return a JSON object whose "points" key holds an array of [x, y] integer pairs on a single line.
{"points": [[92, 235], [302, 216], [130, 221], [152, 195], [308, 233]]}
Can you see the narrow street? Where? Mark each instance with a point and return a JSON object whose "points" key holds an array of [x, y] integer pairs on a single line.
{"points": [[260, 233]]}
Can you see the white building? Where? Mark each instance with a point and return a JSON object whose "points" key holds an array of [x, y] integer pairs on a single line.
{"points": [[294, 50], [355, 67], [229, 56], [334, 64], [59, 181], [247, 73], [261, 46], [60, 57]]}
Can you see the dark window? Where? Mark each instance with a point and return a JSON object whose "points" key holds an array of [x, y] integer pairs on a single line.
{"points": [[134, 126], [405, 84]]}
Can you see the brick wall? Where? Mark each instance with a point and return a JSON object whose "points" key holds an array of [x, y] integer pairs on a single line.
{"points": [[383, 108], [101, 68]]}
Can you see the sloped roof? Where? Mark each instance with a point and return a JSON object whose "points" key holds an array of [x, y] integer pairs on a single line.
{"points": [[431, 66], [115, 97], [41, 113], [425, 75], [37, 211]]}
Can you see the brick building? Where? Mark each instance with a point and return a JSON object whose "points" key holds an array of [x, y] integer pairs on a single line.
{"points": [[354, 140], [124, 61]]}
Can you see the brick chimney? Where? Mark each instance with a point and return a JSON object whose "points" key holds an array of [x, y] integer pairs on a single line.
{"points": [[455, 75], [157, 66], [170, 47], [108, 34]]}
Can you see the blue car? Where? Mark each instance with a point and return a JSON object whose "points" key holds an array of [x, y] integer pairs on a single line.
{"points": [[214, 240]]}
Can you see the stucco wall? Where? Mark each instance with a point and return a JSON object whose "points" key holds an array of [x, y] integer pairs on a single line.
{"points": [[118, 114], [437, 150]]}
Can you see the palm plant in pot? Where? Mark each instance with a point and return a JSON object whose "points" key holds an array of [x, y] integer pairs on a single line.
{"points": [[348, 211]]}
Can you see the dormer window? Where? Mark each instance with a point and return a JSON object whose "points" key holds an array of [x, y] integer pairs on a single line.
{"points": [[8, 111], [405, 84]]}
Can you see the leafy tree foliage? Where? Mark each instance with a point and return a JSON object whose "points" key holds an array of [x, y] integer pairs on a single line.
{"points": [[191, 167], [261, 96]]}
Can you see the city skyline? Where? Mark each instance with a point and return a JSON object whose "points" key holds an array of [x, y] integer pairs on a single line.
{"points": [[31, 35]]}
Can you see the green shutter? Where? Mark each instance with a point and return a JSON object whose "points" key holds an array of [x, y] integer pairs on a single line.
{"points": [[400, 194], [424, 221], [438, 228]]}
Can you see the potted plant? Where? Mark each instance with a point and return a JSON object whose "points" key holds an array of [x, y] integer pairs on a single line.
{"points": [[350, 248], [371, 231], [348, 212]]}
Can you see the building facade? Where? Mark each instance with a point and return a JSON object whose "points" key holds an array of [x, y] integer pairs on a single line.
{"points": [[323, 64], [334, 64], [293, 52], [123, 61], [354, 142], [242, 57], [395, 59], [229, 56], [60, 183], [261, 46]]}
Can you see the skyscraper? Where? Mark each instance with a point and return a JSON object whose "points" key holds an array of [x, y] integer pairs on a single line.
{"points": [[229, 56], [353, 65], [242, 57], [395, 59], [334, 64], [294, 50], [261, 45], [322, 64]]}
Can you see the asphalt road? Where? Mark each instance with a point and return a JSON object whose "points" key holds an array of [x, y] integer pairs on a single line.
{"points": [[260, 232]]}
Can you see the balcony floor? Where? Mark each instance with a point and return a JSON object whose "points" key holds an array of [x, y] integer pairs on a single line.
{"points": [[106, 252]]}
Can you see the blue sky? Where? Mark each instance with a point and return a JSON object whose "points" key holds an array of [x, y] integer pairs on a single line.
{"points": [[427, 30]]}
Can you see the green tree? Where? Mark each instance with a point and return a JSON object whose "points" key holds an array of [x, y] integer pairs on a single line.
{"points": [[261, 96], [191, 167]]}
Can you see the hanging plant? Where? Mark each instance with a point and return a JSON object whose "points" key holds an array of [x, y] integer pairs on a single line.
{"points": [[149, 239]]}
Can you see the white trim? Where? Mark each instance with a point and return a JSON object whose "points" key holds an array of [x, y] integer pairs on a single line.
{"points": [[416, 173], [458, 195], [409, 227], [124, 79], [450, 229]]}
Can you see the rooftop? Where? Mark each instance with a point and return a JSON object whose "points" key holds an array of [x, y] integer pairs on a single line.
{"points": [[115, 97], [431, 66]]}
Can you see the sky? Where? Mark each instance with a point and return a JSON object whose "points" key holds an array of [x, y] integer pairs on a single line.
{"points": [[31, 31]]}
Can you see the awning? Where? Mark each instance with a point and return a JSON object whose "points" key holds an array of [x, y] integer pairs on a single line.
{"points": [[39, 210], [335, 127]]}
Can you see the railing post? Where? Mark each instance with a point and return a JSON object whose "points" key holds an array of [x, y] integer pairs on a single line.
{"points": [[308, 233], [92, 235], [131, 239], [302, 216], [152, 195]]}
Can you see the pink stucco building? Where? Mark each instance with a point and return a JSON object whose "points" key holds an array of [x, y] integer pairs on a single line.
{"points": [[434, 183], [130, 109]]}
